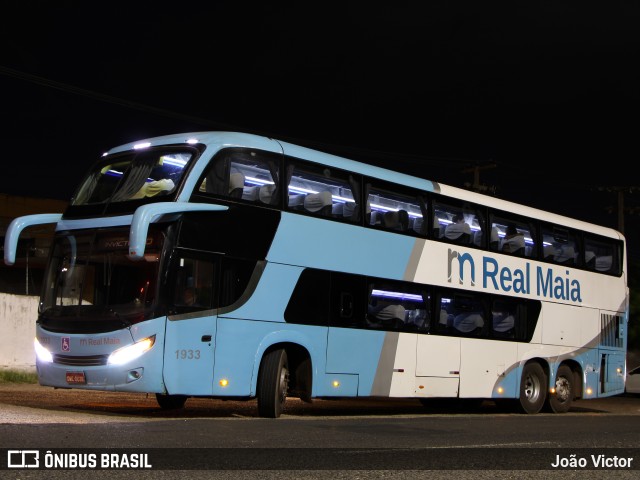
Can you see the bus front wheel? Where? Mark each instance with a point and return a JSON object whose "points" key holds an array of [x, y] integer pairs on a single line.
{"points": [[273, 383], [171, 402], [560, 400], [533, 388]]}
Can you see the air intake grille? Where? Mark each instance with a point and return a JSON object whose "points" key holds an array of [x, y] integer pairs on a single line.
{"points": [[610, 335], [87, 361]]}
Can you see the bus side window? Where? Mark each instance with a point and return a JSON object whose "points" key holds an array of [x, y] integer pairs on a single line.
{"points": [[469, 315], [444, 314], [322, 191], [600, 254], [348, 295], [234, 279], [503, 318], [309, 302], [513, 235], [396, 208], [564, 243], [246, 176], [398, 306], [459, 223], [194, 285]]}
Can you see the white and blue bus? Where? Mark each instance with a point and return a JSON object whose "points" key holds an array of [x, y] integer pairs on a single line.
{"points": [[229, 265]]}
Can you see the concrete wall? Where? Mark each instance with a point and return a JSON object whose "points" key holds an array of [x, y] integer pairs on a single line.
{"points": [[18, 314]]}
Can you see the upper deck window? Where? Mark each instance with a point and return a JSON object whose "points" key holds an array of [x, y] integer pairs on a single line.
{"points": [[458, 223], [252, 176], [323, 191], [132, 176], [395, 208]]}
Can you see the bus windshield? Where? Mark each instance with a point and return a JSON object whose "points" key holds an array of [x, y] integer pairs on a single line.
{"points": [[92, 269], [132, 176]]}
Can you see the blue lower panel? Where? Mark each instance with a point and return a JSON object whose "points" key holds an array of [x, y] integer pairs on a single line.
{"points": [[507, 384], [336, 385], [142, 374], [240, 346], [355, 352], [612, 379]]}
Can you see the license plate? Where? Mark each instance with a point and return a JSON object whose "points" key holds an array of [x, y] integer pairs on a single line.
{"points": [[76, 378]]}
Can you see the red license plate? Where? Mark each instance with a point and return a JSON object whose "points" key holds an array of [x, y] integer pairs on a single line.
{"points": [[76, 378]]}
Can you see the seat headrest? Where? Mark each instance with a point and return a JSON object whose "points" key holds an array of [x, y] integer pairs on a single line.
{"points": [[316, 201], [236, 180], [391, 219], [348, 209], [250, 193], [399, 219], [265, 193], [391, 311]]}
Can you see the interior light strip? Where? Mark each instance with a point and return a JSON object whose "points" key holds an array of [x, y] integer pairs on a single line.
{"points": [[175, 162], [397, 295]]}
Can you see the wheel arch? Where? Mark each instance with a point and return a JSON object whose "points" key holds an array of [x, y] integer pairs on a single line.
{"points": [[302, 367], [578, 376], [542, 362]]}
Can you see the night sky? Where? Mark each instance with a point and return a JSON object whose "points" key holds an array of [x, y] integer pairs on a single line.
{"points": [[549, 92]]}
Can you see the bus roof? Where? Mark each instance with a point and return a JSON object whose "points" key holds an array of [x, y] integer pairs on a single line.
{"points": [[217, 140]]}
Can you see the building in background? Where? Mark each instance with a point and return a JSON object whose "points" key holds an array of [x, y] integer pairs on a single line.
{"points": [[25, 277]]}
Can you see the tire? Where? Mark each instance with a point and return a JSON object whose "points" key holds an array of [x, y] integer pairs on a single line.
{"points": [[533, 388], [560, 401], [273, 384], [171, 402]]}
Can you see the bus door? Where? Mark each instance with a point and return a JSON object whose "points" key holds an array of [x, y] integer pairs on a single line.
{"points": [[351, 356], [437, 366], [191, 327], [438, 354]]}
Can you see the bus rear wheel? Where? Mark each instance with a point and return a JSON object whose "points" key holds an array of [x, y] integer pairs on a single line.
{"points": [[533, 388], [273, 384], [560, 400], [171, 402]]}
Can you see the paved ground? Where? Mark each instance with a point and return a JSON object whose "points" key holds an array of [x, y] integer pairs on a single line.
{"points": [[28, 403]]}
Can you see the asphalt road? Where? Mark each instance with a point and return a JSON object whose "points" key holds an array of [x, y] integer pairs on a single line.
{"points": [[327, 439]]}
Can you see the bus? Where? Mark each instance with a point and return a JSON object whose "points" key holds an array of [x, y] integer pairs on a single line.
{"points": [[231, 265]]}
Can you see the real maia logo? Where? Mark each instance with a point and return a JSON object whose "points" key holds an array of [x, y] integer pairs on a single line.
{"points": [[546, 282]]}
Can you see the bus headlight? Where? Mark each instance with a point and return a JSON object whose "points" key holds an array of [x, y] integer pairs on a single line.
{"points": [[42, 353], [131, 352]]}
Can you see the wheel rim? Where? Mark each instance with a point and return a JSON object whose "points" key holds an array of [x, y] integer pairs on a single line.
{"points": [[532, 388], [563, 389], [283, 384]]}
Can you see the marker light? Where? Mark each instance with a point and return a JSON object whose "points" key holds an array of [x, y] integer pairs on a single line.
{"points": [[589, 391], [335, 384], [500, 390], [552, 390], [131, 352], [224, 382], [42, 353], [192, 141]]}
